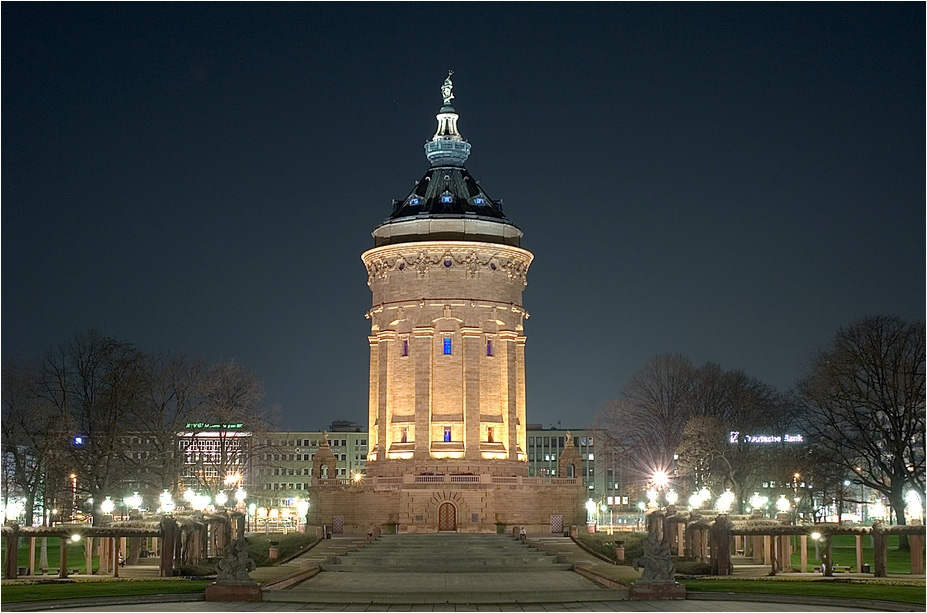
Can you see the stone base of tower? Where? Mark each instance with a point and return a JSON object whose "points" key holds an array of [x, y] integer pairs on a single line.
{"points": [[415, 503]]}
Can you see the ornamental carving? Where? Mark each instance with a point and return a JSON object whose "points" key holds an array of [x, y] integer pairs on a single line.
{"points": [[380, 265]]}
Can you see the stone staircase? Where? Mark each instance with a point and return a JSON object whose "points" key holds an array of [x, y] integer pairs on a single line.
{"points": [[446, 553], [443, 568]]}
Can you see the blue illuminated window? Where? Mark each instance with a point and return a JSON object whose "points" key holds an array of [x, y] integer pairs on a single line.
{"points": [[478, 201], [447, 199], [447, 345], [414, 201], [405, 348], [447, 434], [488, 347]]}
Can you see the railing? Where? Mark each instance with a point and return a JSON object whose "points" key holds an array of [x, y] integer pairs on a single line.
{"points": [[395, 480]]}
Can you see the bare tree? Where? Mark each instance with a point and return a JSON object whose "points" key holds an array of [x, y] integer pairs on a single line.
{"points": [[32, 437], [224, 442], [863, 401], [94, 385]]}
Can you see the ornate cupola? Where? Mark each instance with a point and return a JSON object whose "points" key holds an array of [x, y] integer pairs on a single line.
{"points": [[447, 193], [447, 147]]}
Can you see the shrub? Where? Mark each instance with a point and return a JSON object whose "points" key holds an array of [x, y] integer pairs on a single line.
{"points": [[692, 567], [287, 544], [604, 544], [195, 570]]}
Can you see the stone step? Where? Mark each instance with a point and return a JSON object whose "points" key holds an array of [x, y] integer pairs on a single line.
{"points": [[485, 560], [444, 568]]}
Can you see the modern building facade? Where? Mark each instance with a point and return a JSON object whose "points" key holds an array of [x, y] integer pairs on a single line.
{"points": [[447, 400]]}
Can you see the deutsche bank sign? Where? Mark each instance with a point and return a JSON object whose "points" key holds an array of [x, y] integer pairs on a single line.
{"points": [[736, 437]]}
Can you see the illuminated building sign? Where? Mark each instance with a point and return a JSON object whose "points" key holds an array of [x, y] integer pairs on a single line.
{"points": [[736, 437], [204, 426]]}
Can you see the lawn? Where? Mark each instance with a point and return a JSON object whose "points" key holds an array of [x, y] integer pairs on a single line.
{"points": [[830, 589], [75, 554], [116, 587], [844, 547]]}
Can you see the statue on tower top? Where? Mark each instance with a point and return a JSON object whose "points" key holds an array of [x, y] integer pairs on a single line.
{"points": [[446, 89]]}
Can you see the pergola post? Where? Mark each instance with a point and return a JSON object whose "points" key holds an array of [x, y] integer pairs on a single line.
{"points": [[88, 554], [804, 553], [10, 564], [116, 556], [757, 549], [168, 528], [879, 543], [827, 558], [681, 538], [767, 549], [721, 546], [859, 553], [31, 565], [916, 541], [63, 559]]}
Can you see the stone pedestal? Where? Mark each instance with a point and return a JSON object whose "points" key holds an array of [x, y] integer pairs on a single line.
{"points": [[658, 590], [237, 591]]}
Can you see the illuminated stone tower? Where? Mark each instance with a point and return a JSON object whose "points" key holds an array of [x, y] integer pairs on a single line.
{"points": [[447, 343], [447, 369]]}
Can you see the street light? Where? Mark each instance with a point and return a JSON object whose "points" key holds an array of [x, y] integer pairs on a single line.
{"points": [[200, 502], [221, 498], [660, 478], [725, 501], [672, 497], [167, 503], [107, 506], [783, 504], [134, 501], [240, 495]]}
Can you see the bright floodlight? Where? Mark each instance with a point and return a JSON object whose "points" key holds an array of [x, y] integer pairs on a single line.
{"points": [[725, 501], [107, 505], [134, 501], [75, 537], [783, 504], [240, 495], [200, 502], [695, 501], [188, 495], [221, 498], [756, 501], [672, 497], [660, 478], [358, 476], [652, 495], [641, 505], [590, 506], [303, 507], [815, 535]]}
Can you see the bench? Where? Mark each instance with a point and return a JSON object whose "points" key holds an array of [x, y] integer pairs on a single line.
{"points": [[838, 568]]}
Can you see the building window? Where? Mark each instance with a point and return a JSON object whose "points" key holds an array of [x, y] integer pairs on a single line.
{"points": [[491, 434], [489, 347], [403, 435], [447, 434], [405, 348], [447, 345]]}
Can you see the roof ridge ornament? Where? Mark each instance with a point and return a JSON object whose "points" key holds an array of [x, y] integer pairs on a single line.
{"points": [[446, 89]]}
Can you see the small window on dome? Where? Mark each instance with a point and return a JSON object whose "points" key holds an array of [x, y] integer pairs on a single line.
{"points": [[478, 201], [414, 202], [447, 199]]}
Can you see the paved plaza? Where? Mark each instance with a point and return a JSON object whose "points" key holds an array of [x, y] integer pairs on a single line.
{"points": [[663, 605]]}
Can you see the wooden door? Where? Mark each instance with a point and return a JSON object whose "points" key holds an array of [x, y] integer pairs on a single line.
{"points": [[447, 517]]}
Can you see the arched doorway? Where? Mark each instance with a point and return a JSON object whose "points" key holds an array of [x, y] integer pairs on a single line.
{"points": [[447, 517]]}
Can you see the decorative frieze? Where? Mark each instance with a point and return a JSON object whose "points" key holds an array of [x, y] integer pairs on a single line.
{"points": [[419, 258]]}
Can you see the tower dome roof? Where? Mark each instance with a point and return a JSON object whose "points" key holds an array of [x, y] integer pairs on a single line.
{"points": [[447, 192]]}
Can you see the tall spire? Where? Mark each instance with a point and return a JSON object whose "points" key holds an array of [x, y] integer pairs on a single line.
{"points": [[447, 147]]}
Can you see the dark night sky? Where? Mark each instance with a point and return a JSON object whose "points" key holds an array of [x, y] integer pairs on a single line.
{"points": [[729, 181]]}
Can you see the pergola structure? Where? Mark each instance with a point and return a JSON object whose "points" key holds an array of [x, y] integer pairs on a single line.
{"points": [[711, 538], [176, 539]]}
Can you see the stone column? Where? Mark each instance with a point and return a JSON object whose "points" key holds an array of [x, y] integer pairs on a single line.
{"points": [[470, 339], [116, 543], [168, 528], [681, 538], [804, 553], [721, 545], [63, 559], [31, 565], [423, 346], [859, 553], [10, 564], [88, 554], [767, 550], [879, 543], [916, 541]]}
